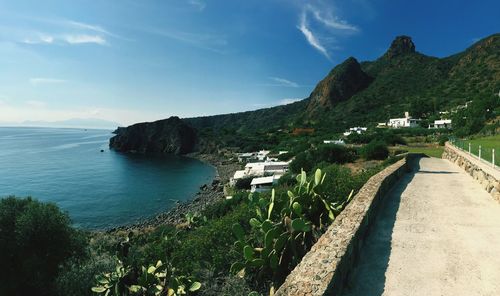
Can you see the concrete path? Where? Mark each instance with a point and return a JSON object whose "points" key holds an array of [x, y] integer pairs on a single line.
{"points": [[438, 234]]}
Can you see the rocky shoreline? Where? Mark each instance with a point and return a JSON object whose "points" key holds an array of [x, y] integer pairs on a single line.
{"points": [[208, 194]]}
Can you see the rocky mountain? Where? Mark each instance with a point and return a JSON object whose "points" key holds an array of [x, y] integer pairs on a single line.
{"points": [[170, 135], [353, 93], [344, 81]]}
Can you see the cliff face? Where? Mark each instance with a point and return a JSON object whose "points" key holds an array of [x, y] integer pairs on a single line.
{"points": [[339, 85], [170, 135]]}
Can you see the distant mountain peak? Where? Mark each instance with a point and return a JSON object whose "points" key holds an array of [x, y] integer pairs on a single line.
{"points": [[401, 45]]}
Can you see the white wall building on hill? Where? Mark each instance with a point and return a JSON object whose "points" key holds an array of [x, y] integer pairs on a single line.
{"points": [[356, 129], [406, 121], [441, 123], [263, 183]]}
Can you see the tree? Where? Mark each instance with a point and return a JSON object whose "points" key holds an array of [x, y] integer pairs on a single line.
{"points": [[35, 239]]}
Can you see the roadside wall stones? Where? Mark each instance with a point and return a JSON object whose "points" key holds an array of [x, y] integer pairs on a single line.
{"points": [[488, 177], [325, 269]]}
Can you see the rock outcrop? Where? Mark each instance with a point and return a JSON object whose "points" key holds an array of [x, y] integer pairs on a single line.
{"points": [[170, 135], [401, 45], [344, 81]]}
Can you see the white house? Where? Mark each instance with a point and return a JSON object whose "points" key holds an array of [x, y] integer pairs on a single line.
{"points": [[356, 129], [336, 142], [260, 168], [237, 175], [442, 123], [407, 121], [262, 154], [263, 183], [242, 157]]}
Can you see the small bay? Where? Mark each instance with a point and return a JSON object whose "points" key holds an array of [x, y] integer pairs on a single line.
{"points": [[98, 189]]}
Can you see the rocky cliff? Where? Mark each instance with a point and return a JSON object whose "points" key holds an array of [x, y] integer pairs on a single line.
{"points": [[339, 85], [170, 135]]}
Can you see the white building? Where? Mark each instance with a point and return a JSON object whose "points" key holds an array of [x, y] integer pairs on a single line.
{"points": [[243, 157], [336, 142], [356, 129], [237, 175], [262, 155], [263, 183], [442, 123], [407, 121], [260, 168]]}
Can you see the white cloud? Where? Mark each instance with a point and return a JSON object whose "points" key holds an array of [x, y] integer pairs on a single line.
{"points": [[81, 39], [284, 82], [40, 80], [36, 104], [198, 4], [330, 21], [313, 41], [40, 38], [289, 101], [329, 24]]}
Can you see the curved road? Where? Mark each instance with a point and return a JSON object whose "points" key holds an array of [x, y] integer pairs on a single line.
{"points": [[438, 234]]}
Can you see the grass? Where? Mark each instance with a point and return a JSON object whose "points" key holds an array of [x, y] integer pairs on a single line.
{"points": [[487, 144], [432, 151]]}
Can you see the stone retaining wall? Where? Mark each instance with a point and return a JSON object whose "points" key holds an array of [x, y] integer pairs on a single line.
{"points": [[487, 176], [325, 269]]}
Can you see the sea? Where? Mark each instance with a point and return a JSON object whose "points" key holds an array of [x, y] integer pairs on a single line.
{"points": [[99, 188]]}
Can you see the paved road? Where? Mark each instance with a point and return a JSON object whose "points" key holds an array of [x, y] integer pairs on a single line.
{"points": [[438, 234]]}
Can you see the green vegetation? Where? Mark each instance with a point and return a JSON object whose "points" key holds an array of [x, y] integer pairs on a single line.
{"points": [[329, 153], [376, 149], [35, 239], [432, 151], [285, 228], [486, 143]]}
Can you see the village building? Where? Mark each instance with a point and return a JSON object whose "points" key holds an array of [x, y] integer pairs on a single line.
{"points": [[262, 155], [441, 123], [406, 121], [357, 129], [263, 183], [336, 142]]}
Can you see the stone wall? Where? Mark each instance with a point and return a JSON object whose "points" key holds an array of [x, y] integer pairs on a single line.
{"points": [[485, 174], [325, 269]]}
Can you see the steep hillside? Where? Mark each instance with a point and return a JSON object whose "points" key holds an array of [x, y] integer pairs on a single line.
{"points": [[364, 93]]}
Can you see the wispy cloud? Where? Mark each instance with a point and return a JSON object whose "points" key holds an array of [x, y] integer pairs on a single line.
{"points": [[80, 39], [289, 101], [198, 4], [59, 31], [40, 80], [210, 42], [284, 82], [313, 40], [325, 19]]}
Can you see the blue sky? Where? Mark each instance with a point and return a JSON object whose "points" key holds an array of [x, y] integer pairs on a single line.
{"points": [[129, 61]]}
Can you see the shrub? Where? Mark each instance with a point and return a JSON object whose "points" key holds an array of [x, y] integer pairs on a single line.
{"points": [[287, 179], [375, 150], [328, 153], [77, 277], [243, 183], [442, 139], [35, 239]]}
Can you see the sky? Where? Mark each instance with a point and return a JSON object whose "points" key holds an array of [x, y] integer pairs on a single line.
{"points": [[131, 61]]}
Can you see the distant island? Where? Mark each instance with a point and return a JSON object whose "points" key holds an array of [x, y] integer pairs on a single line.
{"points": [[94, 123]]}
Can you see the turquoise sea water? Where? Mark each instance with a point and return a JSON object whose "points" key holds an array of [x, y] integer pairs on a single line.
{"points": [[97, 189]]}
